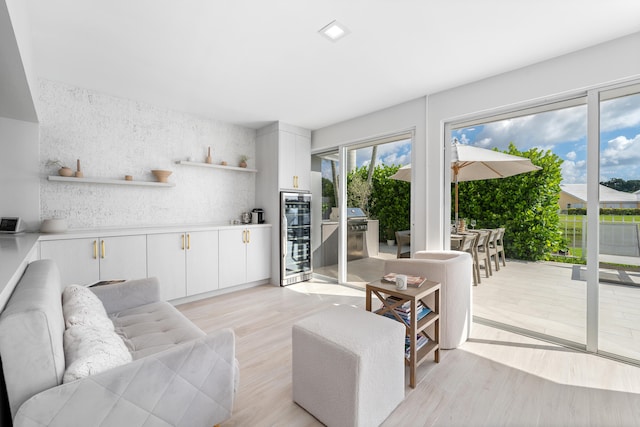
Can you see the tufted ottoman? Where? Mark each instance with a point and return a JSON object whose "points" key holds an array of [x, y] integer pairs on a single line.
{"points": [[348, 366]]}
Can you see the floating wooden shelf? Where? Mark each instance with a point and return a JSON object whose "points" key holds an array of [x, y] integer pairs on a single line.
{"points": [[110, 181], [211, 165]]}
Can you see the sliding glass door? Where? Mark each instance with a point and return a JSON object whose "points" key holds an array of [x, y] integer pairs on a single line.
{"points": [[362, 212], [581, 286], [541, 289], [619, 222]]}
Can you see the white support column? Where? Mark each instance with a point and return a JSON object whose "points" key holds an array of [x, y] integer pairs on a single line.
{"points": [[593, 218]]}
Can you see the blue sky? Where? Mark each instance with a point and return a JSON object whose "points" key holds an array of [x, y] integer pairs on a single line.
{"points": [[564, 133], [561, 131]]}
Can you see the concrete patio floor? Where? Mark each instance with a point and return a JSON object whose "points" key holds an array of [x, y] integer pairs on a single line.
{"points": [[544, 297]]}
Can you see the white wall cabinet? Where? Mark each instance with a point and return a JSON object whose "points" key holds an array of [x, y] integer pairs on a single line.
{"points": [[88, 260], [244, 255], [294, 161], [184, 263]]}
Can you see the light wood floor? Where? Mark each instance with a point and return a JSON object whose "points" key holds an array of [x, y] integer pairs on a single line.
{"points": [[497, 378]]}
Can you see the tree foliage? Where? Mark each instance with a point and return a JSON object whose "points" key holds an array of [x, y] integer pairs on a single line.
{"points": [[620, 184], [389, 201], [526, 205]]}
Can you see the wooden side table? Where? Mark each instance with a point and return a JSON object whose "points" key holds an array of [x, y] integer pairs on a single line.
{"points": [[428, 326]]}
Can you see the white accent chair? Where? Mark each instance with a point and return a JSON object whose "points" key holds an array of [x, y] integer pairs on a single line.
{"points": [[454, 271]]}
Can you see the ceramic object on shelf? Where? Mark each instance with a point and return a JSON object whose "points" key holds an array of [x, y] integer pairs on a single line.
{"points": [[65, 171], [128, 178], [209, 159], [79, 173], [161, 175], [53, 225]]}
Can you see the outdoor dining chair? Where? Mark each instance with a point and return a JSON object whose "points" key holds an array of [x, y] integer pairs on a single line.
{"points": [[492, 248], [482, 250], [468, 244], [500, 246], [403, 238]]}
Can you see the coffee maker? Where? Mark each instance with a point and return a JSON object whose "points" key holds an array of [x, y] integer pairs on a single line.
{"points": [[257, 216]]}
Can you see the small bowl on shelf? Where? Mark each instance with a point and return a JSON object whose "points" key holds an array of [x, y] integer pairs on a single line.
{"points": [[161, 175]]}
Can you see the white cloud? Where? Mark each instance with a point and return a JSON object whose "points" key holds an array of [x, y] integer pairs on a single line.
{"points": [[571, 155], [621, 158], [620, 113], [538, 130], [574, 172]]}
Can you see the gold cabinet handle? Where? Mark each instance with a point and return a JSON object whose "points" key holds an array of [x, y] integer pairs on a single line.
{"points": [[104, 252], [95, 249], [244, 236], [248, 236], [188, 241], [182, 246], [295, 181]]}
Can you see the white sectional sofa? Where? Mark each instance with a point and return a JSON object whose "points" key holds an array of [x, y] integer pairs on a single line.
{"points": [[178, 375]]}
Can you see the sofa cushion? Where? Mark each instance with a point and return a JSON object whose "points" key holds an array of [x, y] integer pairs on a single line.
{"points": [[90, 350], [80, 306], [33, 318], [153, 328]]}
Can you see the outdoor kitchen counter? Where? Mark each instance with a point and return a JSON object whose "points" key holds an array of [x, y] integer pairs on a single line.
{"points": [[330, 241]]}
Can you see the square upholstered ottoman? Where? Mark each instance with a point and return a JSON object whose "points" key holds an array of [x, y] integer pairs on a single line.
{"points": [[348, 366]]}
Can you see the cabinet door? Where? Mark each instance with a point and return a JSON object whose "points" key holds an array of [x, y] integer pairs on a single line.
{"points": [[202, 262], [303, 162], [123, 257], [77, 259], [287, 161], [232, 257], [258, 254], [166, 261]]}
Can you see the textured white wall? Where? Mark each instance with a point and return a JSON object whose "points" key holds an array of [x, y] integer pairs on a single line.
{"points": [[19, 185], [114, 137]]}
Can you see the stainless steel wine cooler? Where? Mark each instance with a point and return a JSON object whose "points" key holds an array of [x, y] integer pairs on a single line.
{"points": [[295, 238]]}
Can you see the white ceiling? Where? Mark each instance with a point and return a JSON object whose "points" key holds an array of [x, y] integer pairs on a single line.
{"points": [[252, 62]]}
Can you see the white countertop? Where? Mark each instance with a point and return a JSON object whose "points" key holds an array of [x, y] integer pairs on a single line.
{"points": [[125, 231], [15, 254]]}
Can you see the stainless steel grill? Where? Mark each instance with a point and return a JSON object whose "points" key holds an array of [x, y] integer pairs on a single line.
{"points": [[357, 226]]}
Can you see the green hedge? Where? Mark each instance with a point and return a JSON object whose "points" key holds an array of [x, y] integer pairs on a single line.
{"points": [[389, 201], [605, 211], [526, 205]]}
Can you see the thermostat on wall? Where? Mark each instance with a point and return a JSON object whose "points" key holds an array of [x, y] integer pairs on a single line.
{"points": [[11, 225]]}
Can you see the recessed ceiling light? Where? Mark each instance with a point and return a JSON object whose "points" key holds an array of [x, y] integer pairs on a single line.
{"points": [[334, 31]]}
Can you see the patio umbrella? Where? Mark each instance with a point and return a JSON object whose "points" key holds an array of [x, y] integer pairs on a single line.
{"points": [[470, 163]]}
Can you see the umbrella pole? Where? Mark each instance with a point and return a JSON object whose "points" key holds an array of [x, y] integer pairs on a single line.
{"points": [[456, 223], [455, 174]]}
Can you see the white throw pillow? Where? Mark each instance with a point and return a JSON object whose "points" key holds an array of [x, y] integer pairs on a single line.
{"points": [[80, 306], [89, 350]]}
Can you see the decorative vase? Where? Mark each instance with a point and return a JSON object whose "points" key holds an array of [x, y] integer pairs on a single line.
{"points": [[161, 175], [209, 159], [65, 171], [242, 164]]}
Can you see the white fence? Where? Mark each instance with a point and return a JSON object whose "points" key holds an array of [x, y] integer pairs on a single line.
{"points": [[619, 237]]}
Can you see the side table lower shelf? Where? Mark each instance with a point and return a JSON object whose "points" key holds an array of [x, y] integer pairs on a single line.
{"points": [[429, 325]]}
